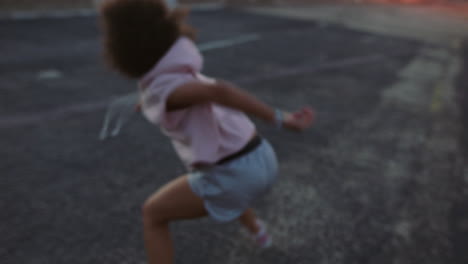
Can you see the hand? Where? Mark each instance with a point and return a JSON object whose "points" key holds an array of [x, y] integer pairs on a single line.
{"points": [[299, 120]]}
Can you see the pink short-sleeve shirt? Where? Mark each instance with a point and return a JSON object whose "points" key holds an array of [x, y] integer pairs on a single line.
{"points": [[201, 134]]}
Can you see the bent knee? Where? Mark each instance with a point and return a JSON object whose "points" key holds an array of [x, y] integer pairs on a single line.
{"points": [[153, 212]]}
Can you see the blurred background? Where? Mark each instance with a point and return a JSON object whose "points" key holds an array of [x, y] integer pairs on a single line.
{"points": [[382, 177]]}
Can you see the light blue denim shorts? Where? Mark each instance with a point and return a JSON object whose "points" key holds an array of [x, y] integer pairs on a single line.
{"points": [[229, 189]]}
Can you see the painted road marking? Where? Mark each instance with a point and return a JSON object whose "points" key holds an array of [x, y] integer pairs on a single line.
{"points": [[443, 95], [49, 74], [120, 109], [286, 72], [220, 44], [436, 103]]}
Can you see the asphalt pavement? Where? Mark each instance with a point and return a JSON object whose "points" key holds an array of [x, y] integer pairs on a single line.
{"points": [[378, 179]]}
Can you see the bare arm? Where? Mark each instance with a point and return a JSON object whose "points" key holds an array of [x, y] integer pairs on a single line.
{"points": [[226, 94]]}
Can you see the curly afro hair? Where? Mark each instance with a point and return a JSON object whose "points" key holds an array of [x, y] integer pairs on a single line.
{"points": [[137, 33]]}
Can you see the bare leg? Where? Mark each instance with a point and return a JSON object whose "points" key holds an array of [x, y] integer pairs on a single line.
{"points": [[248, 219], [173, 201]]}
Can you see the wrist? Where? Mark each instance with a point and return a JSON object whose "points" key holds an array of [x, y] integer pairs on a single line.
{"points": [[279, 118]]}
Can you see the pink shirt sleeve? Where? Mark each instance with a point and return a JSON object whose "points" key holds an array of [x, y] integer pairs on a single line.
{"points": [[154, 98]]}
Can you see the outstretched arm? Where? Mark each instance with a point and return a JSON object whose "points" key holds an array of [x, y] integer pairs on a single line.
{"points": [[228, 95]]}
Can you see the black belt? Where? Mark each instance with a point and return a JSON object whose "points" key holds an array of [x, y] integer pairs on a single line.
{"points": [[253, 144]]}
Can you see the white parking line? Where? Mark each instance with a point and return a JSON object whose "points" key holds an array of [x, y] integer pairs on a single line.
{"points": [[220, 44]]}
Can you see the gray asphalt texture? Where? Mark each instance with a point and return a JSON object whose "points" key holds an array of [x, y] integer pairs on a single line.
{"points": [[66, 197]]}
